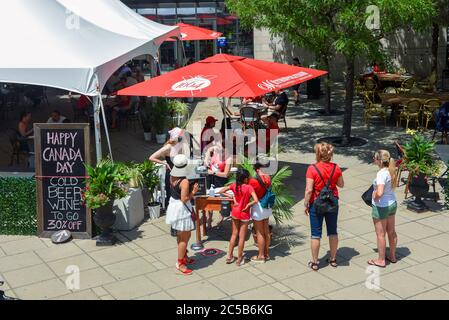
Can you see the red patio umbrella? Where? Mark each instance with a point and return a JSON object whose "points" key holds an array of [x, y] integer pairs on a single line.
{"points": [[224, 76], [189, 33]]}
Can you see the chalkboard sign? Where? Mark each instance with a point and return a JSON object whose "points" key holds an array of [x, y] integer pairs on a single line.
{"points": [[61, 152]]}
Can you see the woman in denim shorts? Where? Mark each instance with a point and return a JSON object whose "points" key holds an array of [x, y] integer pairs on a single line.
{"points": [[317, 177]]}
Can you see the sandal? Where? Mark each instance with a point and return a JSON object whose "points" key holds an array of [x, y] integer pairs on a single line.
{"points": [[188, 260], [391, 261], [332, 263], [314, 265], [267, 258], [256, 259], [241, 263], [230, 260], [372, 263], [186, 271]]}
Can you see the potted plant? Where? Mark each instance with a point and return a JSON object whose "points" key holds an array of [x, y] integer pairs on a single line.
{"points": [[159, 114], [150, 173], [421, 165], [102, 188], [178, 111], [129, 210]]}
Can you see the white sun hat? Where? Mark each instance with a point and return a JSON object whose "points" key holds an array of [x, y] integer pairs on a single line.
{"points": [[181, 166], [175, 133]]}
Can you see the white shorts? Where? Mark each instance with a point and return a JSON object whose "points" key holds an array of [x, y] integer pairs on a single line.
{"points": [[258, 213]]}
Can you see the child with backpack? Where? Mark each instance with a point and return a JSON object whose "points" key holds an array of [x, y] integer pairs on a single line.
{"points": [[321, 201], [261, 213], [243, 193]]}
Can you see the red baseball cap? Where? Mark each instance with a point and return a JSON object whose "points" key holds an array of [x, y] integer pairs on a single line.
{"points": [[210, 120]]}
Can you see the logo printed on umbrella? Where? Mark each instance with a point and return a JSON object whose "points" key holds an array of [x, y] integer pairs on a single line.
{"points": [[195, 83], [183, 35], [270, 85], [214, 34]]}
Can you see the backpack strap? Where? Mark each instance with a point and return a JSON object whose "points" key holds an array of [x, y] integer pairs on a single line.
{"points": [[261, 182], [329, 182]]}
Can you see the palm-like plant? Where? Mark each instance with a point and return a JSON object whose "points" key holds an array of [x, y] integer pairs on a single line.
{"points": [[283, 206], [418, 154]]}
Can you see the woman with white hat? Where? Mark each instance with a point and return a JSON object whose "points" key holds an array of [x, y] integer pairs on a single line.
{"points": [[180, 213], [170, 149]]}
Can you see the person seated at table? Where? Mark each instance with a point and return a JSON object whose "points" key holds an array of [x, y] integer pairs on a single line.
{"points": [[111, 84], [442, 121], [56, 117], [24, 131], [219, 169], [277, 107], [247, 100], [207, 135], [121, 106]]}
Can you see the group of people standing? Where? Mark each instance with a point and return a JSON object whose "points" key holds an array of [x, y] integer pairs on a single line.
{"points": [[246, 194]]}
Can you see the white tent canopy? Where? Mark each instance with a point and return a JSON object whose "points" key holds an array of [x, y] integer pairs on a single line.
{"points": [[68, 43], [74, 45]]}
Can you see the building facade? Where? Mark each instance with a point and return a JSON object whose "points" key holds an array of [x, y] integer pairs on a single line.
{"points": [[407, 49]]}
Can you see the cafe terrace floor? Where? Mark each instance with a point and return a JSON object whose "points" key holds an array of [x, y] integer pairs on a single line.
{"points": [[141, 265]]}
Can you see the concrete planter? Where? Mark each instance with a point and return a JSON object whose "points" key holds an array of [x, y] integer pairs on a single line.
{"points": [[147, 136], [160, 138], [129, 211]]}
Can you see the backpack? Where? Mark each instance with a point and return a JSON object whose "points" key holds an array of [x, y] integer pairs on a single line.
{"points": [[269, 199], [326, 202]]}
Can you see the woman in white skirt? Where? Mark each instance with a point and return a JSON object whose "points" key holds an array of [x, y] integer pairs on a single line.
{"points": [[180, 214], [261, 216]]}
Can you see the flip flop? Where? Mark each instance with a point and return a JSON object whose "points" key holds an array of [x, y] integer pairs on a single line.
{"points": [[391, 261], [372, 263], [230, 260], [256, 259], [241, 263]]}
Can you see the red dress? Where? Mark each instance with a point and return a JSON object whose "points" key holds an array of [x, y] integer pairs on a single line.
{"points": [[242, 197]]}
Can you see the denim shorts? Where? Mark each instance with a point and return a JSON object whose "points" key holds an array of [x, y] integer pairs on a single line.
{"points": [[316, 223]]}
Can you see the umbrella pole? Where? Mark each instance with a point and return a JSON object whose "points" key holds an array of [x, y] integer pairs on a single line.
{"points": [[106, 127]]}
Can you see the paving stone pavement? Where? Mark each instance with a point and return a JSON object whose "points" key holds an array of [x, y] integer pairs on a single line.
{"points": [[141, 265]]}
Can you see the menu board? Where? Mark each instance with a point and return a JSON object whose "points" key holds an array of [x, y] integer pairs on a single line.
{"points": [[62, 150]]}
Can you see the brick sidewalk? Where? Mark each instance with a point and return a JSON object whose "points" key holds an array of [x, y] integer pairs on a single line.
{"points": [[141, 266]]}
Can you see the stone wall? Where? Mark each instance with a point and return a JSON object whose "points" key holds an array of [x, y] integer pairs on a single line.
{"points": [[407, 48]]}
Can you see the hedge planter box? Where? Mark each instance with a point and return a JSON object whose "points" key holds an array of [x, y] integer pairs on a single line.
{"points": [[129, 211], [18, 204]]}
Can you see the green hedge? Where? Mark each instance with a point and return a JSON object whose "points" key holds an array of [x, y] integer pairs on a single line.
{"points": [[18, 206]]}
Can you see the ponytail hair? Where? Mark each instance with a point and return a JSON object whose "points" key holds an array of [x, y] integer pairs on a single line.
{"points": [[387, 162], [242, 174]]}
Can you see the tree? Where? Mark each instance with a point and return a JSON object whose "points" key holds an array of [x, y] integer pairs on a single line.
{"points": [[329, 27], [441, 20]]}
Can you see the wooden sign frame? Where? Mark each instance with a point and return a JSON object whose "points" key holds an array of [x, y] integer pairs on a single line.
{"points": [[38, 127]]}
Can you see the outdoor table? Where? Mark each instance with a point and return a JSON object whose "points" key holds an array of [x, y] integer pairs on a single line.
{"points": [[443, 152], [202, 205], [390, 99], [391, 77]]}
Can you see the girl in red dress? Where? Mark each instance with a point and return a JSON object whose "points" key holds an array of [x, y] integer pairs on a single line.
{"points": [[241, 213]]}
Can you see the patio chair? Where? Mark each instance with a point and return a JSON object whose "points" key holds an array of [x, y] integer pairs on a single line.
{"points": [[282, 117], [249, 116], [416, 90], [16, 146], [429, 109], [410, 112], [390, 90], [132, 117], [429, 84], [373, 110], [359, 88], [407, 85], [370, 84]]}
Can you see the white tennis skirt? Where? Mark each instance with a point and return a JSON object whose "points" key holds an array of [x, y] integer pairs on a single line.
{"points": [[258, 213], [178, 216]]}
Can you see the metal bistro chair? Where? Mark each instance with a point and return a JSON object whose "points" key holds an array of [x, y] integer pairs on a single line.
{"points": [[411, 111], [407, 85], [416, 90], [132, 117], [249, 116], [16, 150], [370, 84], [429, 84], [391, 90], [373, 110], [429, 109]]}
